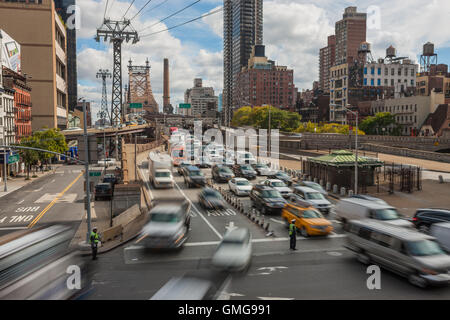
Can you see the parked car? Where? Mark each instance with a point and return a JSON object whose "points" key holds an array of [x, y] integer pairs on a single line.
{"points": [[315, 198], [244, 171], [234, 252], [308, 220], [369, 198], [441, 231], [278, 185], [221, 173], [312, 185], [262, 169], [280, 175], [267, 200], [358, 209], [194, 177], [211, 199], [111, 178], [424, 218], [103, 190], [410, 253], [240, 186]]}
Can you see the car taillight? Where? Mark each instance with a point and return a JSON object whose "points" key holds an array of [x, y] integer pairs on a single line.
{"points": [[414, 219]]}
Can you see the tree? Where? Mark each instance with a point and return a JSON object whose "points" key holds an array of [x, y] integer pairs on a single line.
{"points": [[29, 157], [374, 125], [51, 140], [242, 117]]}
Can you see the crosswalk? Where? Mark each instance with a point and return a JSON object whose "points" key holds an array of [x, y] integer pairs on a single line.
{"points": [[66, 198]]}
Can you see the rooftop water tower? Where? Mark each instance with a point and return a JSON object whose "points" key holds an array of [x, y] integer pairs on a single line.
{"points": [[428, 57]]}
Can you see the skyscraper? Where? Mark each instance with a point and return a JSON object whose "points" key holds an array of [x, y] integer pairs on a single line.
{"points": [[326, 61], [350, 33], [243, 28]]}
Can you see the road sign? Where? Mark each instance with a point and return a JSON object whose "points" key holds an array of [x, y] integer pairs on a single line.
{"points": [[95, 173], [135, 105], [13, 158], [185, 105]]}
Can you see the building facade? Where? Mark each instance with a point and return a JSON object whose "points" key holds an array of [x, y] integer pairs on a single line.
{"points": [[202, 100], [22, 102], [437, 78], [262, 82], [350, 33], [327, 56], [42, 35], [243, 28]]}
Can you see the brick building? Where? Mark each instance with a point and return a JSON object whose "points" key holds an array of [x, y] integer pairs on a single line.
{"points": [[327, 56]]}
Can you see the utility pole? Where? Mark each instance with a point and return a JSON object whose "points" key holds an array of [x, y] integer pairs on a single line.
{"points": [[104, 114], [86, 169], [5, 170], [117, 32]]}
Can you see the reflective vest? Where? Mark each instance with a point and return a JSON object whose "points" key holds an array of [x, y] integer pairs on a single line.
{"points": [[95, 236], [291, 229]]}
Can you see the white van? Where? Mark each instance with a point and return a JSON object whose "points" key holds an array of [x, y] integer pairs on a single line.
{"points": [[441, 231], [357, 209]]}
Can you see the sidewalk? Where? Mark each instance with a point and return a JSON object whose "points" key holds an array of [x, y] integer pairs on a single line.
{"points": [[16, 183]]}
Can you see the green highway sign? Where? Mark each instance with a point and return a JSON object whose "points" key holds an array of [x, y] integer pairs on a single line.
{"points": [[185, 105], [13, 159], [135, 105], [95, 173]]}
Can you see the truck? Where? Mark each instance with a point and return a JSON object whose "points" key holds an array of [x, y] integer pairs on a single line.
{"points": [[168, 224], [160, 170]]}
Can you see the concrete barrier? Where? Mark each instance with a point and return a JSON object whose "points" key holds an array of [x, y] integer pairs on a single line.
{"points": [[112, 233], [343, 193], [350, 193]]}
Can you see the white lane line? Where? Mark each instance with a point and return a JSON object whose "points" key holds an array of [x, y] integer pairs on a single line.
{"points": [[53, 180], [14, 228], [39, 189], [199, 244], [199, 213], [21, 201], [277, 221], [146, 183]]}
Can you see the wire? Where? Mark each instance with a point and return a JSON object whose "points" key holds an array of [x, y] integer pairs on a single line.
{"points": [[141, 9], [173, 14], [106, 8], [182, 24], [157, 6], [128, 9], [110, 6]]}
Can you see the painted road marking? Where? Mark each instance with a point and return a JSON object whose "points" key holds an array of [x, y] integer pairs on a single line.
{"points": [[277, 221], [40, 215], [274, 298], [198, 212], [146, 183], [15, 219], [14, 228], [21, 201], [49, 197], [221, 213], [27, 209]]}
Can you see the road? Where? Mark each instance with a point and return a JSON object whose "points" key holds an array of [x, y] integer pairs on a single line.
{"points": [[53, 198], [321, 269]]}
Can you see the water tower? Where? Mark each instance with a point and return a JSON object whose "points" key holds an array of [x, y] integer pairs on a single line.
{"points": [[365, 53], [428, 57]]}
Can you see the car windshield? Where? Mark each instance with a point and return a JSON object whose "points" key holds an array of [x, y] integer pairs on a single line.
{"points": [[387, 214], [278, 184], [212, 194], [424, 248], [282, 175], [225, 170], [196, 173], [311, 214], [248, 167], [271, 194], [177, 153], [162, 174], [165, 217], [242, 183], [314, 196], [260, 166]]}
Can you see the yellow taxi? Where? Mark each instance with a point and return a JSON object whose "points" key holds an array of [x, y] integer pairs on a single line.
{"points": [[308, 220]]}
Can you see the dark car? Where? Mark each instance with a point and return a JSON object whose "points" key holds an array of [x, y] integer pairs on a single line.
{"points": [[103, 190], [194, 177], [280, 175], [211, 199], [424, 218], [244, 171], [221, 173], [110, 178], [181, 167], [267, 200], [203, 162]]}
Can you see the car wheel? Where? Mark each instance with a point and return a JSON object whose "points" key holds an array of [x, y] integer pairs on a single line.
{"points": [[304, 232], [424, 228], [417, 281], [363, 258]]}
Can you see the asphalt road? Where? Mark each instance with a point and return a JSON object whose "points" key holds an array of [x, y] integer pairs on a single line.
{"points": [[54, 198], [321, 269]]}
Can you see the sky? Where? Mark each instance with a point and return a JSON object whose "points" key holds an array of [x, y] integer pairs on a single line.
{"points": [[294, 31]]}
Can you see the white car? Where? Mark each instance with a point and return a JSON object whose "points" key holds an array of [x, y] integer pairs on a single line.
{"points": [[106, 162], [240, 186], [234, 252], [280, 186]]}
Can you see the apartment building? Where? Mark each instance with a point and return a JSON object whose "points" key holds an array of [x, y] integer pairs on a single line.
{"points": [[42, 35], [202, 100], [327, 56]]}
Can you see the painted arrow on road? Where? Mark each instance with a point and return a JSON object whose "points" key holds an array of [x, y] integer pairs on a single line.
{"points": [[274, 298], [231, 226], [272, 269]]}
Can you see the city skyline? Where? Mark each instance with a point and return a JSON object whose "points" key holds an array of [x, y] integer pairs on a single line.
{"points": [[196, 49]]}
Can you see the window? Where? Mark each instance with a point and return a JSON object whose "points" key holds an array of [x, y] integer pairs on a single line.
{"points": [[372, 70], [365, 233], [392, 71], [379, 71], [379, 82], [365, 81], [372, 82], [382, 239]]}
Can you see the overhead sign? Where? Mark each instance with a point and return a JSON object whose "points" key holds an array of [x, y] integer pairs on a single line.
{"points": [[95, 173], [135, 105], [185, 105], [10, 52]]}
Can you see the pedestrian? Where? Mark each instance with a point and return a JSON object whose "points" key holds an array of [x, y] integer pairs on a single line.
{"points": [[293, 234], [94, 240]]}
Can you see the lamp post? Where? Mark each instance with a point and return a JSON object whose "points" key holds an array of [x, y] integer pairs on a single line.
{"points": [[356, 143]]}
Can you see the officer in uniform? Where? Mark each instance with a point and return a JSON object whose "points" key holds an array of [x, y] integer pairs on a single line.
{"points": [[94, 239], [293, 234]]}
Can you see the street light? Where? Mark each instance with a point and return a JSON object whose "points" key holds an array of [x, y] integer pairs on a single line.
{"points": [[356, 143]]}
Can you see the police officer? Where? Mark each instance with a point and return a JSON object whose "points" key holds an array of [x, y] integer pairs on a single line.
{"points": [[94, 240], [293, 234]]}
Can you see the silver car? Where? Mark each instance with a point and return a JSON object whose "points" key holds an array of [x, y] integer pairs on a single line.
{"points": [[234, 252]]}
